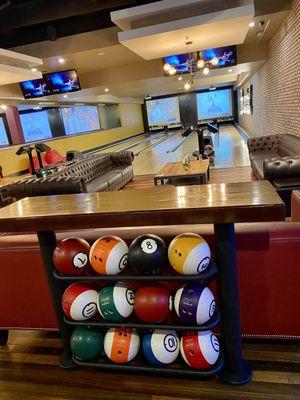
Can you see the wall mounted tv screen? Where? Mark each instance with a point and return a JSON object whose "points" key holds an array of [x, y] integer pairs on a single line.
{"points": [[64, 81], [36, 126], [3, 134], [163, 111], [53, 83], [35, 88], [79, 119], [226, 56], [214, 104]]}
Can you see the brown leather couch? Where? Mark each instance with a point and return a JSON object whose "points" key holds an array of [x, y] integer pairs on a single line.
{"points": [[268, 268], [277, 159], [96, 173]]}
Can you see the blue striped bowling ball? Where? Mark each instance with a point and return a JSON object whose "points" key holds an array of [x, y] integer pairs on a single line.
{"points": [[161, 347], [194, 303]]}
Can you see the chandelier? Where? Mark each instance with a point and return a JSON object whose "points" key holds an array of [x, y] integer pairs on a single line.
{"points": [[193, 63]]}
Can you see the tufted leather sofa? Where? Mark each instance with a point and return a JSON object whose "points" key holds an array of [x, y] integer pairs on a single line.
{"points": [[275, 156], [102, 172], [96, 173], [277, 159]]}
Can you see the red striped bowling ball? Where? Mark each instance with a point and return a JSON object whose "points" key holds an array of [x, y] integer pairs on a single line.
{"points": [[79, 301], [71, 256], [200, 350]]}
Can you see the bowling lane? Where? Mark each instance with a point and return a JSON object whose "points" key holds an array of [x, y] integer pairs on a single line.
{"points": [[152, 160], [128, 143], [231, 152]]}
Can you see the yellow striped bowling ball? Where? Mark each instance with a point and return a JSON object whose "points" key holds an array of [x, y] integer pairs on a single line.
{"points": [[189, 254]]}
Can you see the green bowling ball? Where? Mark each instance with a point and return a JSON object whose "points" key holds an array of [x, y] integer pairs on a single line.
{"points": [[86, 343]]}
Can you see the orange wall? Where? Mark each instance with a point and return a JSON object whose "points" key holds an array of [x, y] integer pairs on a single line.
{"points": [[131, 121]]}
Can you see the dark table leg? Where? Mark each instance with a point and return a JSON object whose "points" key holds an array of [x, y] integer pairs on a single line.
{"points": [[47, 241], [236, 370], [208, 174]]}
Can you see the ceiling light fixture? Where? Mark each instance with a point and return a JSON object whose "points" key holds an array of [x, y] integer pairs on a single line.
{"points": [[100, 54], [214, 61], [192, 62], [200, 63], [61, 60], [230, 70], [106, 90], [172, 71], [65, 96], [251, 25], [4, 107], [167, 67], [33, 69]]}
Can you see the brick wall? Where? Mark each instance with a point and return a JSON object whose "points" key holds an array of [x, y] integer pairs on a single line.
{"points": [[276, 85]]}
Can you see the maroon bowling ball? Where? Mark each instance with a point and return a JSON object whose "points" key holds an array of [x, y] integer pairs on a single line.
{"points": [[71, 256], [152, 304]]}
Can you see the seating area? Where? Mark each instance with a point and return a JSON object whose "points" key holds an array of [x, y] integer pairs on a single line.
{"points": [[277, 159], [95, 173]]}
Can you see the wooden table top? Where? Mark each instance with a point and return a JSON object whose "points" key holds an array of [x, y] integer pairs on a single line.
{"points": [[197, 167], [166, 205]]}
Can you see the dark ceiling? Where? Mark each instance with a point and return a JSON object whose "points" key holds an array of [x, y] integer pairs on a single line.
{"points": [[29, 21]]}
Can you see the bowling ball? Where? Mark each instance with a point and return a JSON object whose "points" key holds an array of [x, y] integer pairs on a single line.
{"points": [[189, 254], [148, 254], [121, 345], [200, 350], [115, 302], [109, 255], [161, 347], [86, 343], [79, 301], [153, 304], [194, 303], [71, 256]]}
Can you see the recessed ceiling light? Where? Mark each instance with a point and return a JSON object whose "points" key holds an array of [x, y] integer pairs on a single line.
{"points": [[100, 54], [180, 78], [61, 60], [65, 96], [251, 25], [33, 69], [106, 89], [230, 70]]}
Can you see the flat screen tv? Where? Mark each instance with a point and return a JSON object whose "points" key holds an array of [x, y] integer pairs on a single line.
{"points": [[163, 111], [226, 56], [214, 104], [36, 126], [3, 134], [35, 88], [79, 119], [64, 81]]}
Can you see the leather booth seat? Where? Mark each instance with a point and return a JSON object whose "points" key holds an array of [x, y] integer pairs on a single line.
{"points": [[268, 269], [275, 156], [277, 159]]}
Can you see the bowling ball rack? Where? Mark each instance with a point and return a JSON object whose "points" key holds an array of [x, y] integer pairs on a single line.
{"points": [[140, 364], [222, 205]]}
